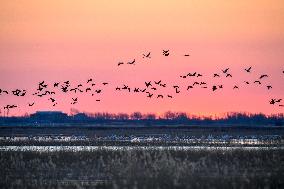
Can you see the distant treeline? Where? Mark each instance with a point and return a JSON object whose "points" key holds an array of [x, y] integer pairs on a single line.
{"points": [[149, 119]]}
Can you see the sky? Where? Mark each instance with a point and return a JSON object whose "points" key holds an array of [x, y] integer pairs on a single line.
{"points": [[59, 40]]}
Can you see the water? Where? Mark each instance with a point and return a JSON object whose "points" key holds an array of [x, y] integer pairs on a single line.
{"points": [[128, 148]]}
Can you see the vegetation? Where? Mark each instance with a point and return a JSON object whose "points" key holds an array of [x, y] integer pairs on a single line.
{"points": [[143, 169], [168, 118]]}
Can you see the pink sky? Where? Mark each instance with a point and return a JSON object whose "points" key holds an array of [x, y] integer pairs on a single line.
{"points": [[58, 40]]}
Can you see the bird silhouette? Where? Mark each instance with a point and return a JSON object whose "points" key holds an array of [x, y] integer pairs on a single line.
{"points": [[228, 75], [263, 76], [117, 88], [132, 62], [120, 63], [166, 52], [246, 82], [189, 87], [158, 82], [89, 80], [148, 84], [160, 96], [248, 69], [105, 83], [147, 55], [226, 70], [149, 95], [214, 88], [31, 104], [269, 87], [216, 75], [170, 96], [56, 84], [236, 87], [257, 82], [186, 55]]}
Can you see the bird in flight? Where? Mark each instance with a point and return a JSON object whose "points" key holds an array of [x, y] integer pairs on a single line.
{"points": [[236, 87], [89, 80], [186, 55], [132, 62], [226, 70], [263, 76], [120, 63], [228, 75], [269, 87], [248, 69], [31, 104], [148, 84], [216, 75], [147, 55], [166, 52], [257, 82]]}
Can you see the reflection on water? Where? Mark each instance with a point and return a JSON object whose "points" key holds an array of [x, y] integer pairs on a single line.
{"points": [[121, 148]]}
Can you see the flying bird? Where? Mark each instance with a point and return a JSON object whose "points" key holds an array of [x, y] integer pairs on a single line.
{"points": [[263, 76], [248, 69], [120, 63], [226, 70], [147, 55], [131, 62]]}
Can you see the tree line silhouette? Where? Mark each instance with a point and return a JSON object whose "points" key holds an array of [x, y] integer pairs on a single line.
{"points": [[147, 119]]}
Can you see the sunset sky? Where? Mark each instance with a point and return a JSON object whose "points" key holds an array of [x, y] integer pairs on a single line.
{"points": [[59, 40]]}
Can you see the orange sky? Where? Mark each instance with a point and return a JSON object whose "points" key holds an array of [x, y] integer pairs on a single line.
{"points": [[56, 40]]}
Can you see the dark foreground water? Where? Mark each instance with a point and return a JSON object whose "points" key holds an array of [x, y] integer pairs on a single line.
{"points": [[122, 158]]}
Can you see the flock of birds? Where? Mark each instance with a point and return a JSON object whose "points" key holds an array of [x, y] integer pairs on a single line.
{"points": [[151, 89]]}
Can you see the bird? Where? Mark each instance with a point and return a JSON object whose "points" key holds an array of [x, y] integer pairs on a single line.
{"points": [[148, 84], [136, 90], [186, 55], [98, 91], [117, 88], [263, 76], [216, 75], [154, 88], [226, 70], [158, 82], [195, 83], [132, 62], [160, 96], [214, 88], [147, 55], [220, 86], [199, 75], [142, 90], [52, 99], [248, 69], [191, 75], [89, 80], [170, 96], [269, 87], [31, 104], [166, 52], [257, 82], [98, 100], [163, 85], [236, 87], [189, 87], [228, 75], [105, 83], [246, 82], [88, 89], [56, 84], [149, 95], [120, 63], [75, 100]]}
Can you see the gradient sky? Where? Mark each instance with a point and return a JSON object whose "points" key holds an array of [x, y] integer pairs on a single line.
{"points": [[57, 40]]}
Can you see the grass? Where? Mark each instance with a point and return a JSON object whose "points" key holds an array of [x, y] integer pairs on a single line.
{"points": [[143, 169]]}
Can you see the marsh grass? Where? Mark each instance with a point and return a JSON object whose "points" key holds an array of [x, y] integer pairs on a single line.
{"points": [[143, 169]]}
